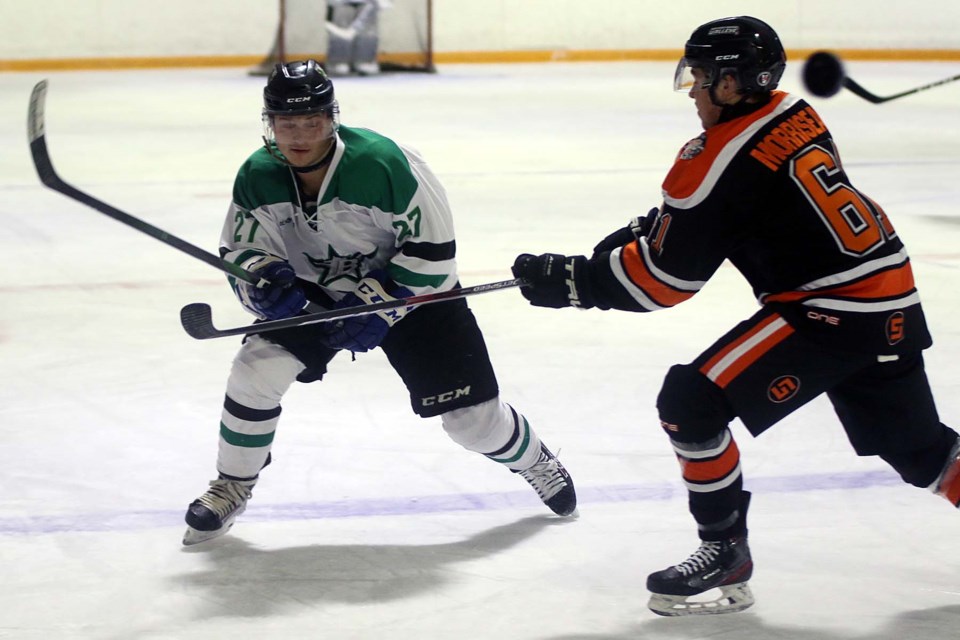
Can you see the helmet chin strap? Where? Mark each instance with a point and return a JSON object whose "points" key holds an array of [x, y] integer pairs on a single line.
{"points": [[743, 106], [712, 89], [712, 92]]}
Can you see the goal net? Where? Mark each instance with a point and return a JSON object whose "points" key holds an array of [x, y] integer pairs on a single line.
{"points": [[405, 29]]}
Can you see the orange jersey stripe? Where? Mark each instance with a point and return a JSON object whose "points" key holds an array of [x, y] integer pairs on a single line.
{"points": [[687, 175], [711, 470], [887, 284], [753, 355], [750, 347], [639, 274], [723, 353]]}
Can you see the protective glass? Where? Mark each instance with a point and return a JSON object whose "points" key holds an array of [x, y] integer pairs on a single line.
{"points": [[689, 77], [307, 128]]}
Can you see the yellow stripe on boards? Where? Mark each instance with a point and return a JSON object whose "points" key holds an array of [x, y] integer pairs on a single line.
{"points": [[458, 57]]}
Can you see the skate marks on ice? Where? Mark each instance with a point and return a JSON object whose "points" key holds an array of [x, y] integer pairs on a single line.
{"points": [[936, 623]]}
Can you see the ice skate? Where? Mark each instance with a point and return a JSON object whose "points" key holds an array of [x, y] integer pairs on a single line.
{"points": [[368, 68], [212, 514], [552, 483], [947, 483], [338, 70], [722, 567]]}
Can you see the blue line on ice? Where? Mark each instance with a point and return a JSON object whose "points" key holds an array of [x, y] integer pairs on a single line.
{"points": [[412, 505]]}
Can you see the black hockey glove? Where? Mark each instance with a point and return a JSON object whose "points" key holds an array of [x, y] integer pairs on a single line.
{"points": [[280, 298], [556, 281], [637, 228]]}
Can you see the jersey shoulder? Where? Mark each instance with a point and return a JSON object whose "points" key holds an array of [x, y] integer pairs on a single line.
{"points": [[374, 171], [262, 180], [700, 163]]}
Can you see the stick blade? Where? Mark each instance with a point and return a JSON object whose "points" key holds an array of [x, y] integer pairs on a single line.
{"points": [[36, 132], [35, 118], [197, 321]]}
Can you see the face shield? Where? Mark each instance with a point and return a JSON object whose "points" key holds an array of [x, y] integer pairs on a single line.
{"points": [[300, 128], [690, 76]]}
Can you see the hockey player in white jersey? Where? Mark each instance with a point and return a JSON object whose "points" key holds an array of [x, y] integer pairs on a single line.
{"points": [[334, 216]]}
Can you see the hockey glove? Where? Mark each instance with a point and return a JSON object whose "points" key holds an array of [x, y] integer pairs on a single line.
{"points": [[366, 332], [637, 228], [556, 281], [280, 297]]}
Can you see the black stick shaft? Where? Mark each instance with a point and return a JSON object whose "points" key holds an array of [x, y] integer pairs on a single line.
{"points": [[855, 88], [197, 320], [49, 177]]}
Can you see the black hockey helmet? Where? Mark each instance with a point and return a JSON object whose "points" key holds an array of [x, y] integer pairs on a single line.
{"points": [[298, 88], [744, 47]]}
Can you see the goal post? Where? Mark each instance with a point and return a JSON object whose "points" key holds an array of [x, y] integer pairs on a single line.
{"points": [[405, 30]]}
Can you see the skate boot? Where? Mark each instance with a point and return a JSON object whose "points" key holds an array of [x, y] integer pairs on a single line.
{"points": [[947, 483], [552, 483], [725, 565], [212, 514], [368, 68]]}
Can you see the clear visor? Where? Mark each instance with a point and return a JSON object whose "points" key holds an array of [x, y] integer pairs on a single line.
{"points": [[689, 77], [306, 128]]}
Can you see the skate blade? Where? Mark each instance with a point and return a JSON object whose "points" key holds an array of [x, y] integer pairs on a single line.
{"points": [[193, 536], [732, 598]]}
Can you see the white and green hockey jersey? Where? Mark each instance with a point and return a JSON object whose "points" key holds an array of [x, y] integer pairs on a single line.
{"points": [[380, 207]]}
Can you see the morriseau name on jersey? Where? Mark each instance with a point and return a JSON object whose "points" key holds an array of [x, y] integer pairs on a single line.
{"points": [[788, 137]]}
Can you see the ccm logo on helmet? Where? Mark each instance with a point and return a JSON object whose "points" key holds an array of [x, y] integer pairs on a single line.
{"points": [[299, 99], [732, 56]]}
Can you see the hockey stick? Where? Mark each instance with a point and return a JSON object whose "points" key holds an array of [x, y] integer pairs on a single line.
{"points": [[49, 177], [197, 319], [824, 75], [855, 88]]}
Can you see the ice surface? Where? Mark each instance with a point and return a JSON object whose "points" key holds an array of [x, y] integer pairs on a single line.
{"points": [[371, 523]]}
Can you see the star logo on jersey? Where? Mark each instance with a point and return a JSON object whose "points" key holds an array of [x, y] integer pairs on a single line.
{"points": [[337, 267], [693, 148]]}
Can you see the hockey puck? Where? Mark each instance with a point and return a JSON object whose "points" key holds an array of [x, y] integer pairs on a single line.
{"points": [[823, 74]]}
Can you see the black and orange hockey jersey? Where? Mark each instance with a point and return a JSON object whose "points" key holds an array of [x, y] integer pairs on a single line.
{"points": [[767, 192]]}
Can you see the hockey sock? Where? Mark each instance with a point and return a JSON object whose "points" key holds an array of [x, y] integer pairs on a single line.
{"points": [[496, 430], [711, 473], [246, 436]]}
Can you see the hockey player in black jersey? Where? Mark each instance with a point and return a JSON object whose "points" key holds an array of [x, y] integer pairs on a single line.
{"points": [[763, 187]]}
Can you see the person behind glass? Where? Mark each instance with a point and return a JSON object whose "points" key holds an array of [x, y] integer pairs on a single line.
{"points": [[353, 32]]}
